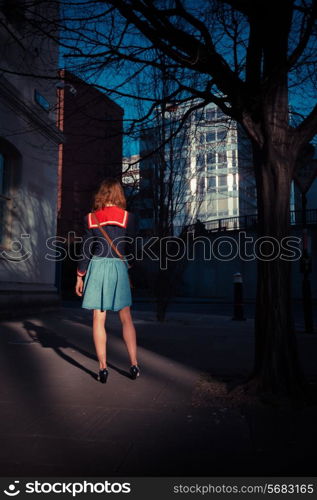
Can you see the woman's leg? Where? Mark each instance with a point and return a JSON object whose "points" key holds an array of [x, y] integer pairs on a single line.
{"points": [[129, 334], [100, 337]]}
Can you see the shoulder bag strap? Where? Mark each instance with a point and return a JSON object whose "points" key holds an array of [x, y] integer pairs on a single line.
{"points": [[112, 245]]}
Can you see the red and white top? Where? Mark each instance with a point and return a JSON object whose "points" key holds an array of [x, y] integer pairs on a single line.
{"points": [[121, 224], [109, 216]]}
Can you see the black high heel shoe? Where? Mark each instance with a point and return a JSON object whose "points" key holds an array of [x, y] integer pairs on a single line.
{"points": [[102, 376], [134, 371]]}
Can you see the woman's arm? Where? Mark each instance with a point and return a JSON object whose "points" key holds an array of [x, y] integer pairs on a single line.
{"points": [[131, 234], [88, 239], [79, 286]]}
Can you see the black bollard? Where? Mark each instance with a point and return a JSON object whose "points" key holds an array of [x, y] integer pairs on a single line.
{"points": [[238, 313]]}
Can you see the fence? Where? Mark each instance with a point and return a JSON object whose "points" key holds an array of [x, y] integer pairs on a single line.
{"points": [[249, 222]]}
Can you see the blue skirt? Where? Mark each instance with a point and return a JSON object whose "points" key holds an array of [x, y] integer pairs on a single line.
{"points": [[106, 285]]}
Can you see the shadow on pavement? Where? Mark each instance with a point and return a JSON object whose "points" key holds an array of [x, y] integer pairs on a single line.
{"points": [[49, 339]]}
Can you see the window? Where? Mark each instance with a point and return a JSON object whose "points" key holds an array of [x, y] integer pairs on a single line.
{"points": [[211, 157], [198, 115], [222, 157], [202, 138], [200, 160], [222, 180], [41, 101], [221, 135], [211, 114], [212, 182], [9, 157], [210, 136], [220, 114]]}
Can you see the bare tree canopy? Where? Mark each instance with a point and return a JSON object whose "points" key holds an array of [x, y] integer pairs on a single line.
{"points": [[243, 52]]}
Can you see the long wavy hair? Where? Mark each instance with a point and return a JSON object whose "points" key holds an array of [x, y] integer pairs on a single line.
{"points": [[110, 192]]}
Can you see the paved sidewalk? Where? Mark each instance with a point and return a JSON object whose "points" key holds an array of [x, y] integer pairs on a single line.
{"points": [[57, 420]]}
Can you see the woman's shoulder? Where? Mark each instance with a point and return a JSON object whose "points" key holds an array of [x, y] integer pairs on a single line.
{"points": [[111, 215], [110, 208]]}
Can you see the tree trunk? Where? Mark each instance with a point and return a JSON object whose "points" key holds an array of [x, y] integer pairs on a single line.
{"points": [[276, 367]]}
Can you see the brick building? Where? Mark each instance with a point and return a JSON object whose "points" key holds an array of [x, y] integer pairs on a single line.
{"points": [[92, 125]]}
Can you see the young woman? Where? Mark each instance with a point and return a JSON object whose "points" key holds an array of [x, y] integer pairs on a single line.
{"points": [[102, 276]]}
